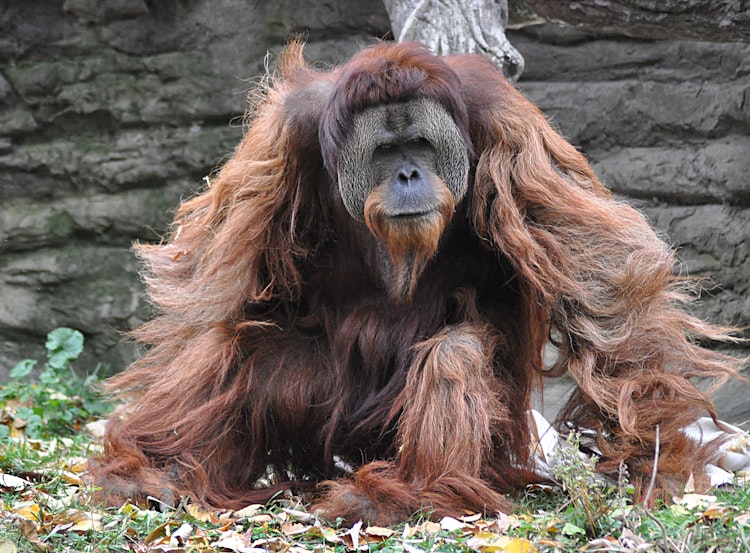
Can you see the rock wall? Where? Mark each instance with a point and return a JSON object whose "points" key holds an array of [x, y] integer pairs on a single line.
{"points": [[665, 124], [111, 111]]}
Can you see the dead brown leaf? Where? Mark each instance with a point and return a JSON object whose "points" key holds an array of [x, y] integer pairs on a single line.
{"points": [[351, 539], [27, 509], [450, 524], [489, 542], [268, 544], [249, 511], [29, 531], [500, 524], [7, 546], [695, 501], [716, 511], [74, 520], [13, 483], [301, 516], [378, 532], [294, 528], [158, 534], [200, 513]]}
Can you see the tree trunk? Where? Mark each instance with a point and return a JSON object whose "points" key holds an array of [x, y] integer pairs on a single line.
{"points": [[453, 26]]}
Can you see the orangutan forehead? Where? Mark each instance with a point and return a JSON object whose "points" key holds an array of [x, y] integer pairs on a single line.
{"points": [[399, 118], [403, 118]]}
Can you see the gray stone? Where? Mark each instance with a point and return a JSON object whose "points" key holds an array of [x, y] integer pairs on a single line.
{"points": [[707, 20], [665, 125], [635, 113], [716, 171]]}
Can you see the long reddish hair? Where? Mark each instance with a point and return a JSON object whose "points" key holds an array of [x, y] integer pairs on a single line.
{"points": [[274, 348]]}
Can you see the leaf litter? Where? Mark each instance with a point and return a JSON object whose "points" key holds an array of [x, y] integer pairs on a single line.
{"points": [[49, 505]]}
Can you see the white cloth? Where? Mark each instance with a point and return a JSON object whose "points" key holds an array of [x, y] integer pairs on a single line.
{"points": [[731, 461]]}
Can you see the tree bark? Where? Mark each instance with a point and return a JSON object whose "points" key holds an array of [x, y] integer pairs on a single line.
{"points": [[453, 26]]}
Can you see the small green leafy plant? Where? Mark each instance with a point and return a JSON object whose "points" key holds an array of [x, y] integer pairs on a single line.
{"points": [[60, 400], [592, 497]]}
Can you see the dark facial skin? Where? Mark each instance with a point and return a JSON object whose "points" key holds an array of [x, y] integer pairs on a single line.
{"points": [[405, 165], [410, 151]]}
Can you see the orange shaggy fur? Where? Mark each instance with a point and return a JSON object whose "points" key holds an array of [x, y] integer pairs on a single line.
{"points": [[276, 351]]}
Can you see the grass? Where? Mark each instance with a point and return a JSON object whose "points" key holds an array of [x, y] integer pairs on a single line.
{"points": [[45, 499]]}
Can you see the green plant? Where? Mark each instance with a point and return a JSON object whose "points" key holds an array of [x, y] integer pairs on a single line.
{"points": [[59, 400], [596, 503]]}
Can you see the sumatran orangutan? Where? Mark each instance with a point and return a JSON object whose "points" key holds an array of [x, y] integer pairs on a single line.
{"points": [[370, 282]]}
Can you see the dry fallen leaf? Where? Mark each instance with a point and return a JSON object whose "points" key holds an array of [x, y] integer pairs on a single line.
{"points": [[501, 524], [14, 483], [428, 528], [598, 544], [28, 529], [690, 484], [379, 532], [716, 511], [353, 533], [249, 511], [301, 516], [269, 544], [180, 537], [71, 478], [554, 526], [76, 465], [235, 542], [96, 429], [200, 513], [74, 520], [261, 519], [160, 534], [27, 509], [489, 542], [7, 546], [450, 524], [294, 528], [630, 541], [327, 533], [519, 545], [695, 501]]}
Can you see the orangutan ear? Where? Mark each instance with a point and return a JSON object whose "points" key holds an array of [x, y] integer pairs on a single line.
{"points": [[302, 111]]}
